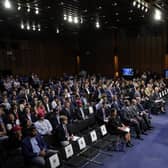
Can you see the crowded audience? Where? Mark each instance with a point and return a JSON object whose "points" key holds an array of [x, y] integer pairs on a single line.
{"points": [[31, 108]]}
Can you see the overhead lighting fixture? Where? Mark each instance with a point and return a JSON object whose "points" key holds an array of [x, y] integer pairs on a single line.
{"points": [[139, 5], [146, 10], [65, 17], [22, 25], [134, 3], [157, 15], [34, 27], [36, 11], [28, 8], [39, 27], [28, 26], [97, 25], [115, 4], [7, 4], [19, 7], [76, 20], [70, 18], [57, 31]]}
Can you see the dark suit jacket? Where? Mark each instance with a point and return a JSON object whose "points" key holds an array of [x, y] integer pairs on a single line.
{"points": [[125, 114], [69, 114], [27, 147], [61, 133], [45, 105], [140, 107], [99, 115], [113, 124], [54, 122], [79, 114]]}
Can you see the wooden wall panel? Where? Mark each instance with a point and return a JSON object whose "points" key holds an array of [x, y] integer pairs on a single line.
{"points": [[47, 58]]}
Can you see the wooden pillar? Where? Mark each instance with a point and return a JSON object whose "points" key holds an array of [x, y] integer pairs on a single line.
{"points": [[78, 63], [116, 66]]}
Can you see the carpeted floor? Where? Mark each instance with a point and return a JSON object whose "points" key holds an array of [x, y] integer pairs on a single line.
{"points": [[152, 152]]}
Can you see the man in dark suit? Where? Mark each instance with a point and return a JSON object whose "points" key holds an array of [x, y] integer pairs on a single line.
{"points": [[81, 113], [64, 134], [103, 114], [35, 149], [67, 111], [47, 104], [129, 119], [54, 118]]}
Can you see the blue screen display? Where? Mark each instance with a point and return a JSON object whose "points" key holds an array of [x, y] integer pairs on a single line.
{"points": [[127, 72], [166, 73]]}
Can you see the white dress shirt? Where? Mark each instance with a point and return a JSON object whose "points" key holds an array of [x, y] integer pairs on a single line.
{"points": [[44, 127]]}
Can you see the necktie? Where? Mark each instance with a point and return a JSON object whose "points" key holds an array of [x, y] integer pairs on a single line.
{"points": [[58, 119], [82, 113], [66, 131], [104, 114]]}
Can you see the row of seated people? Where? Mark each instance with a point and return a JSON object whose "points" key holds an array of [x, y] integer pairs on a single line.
{"points": [[114, 126], [35, 149], [24, 103]]}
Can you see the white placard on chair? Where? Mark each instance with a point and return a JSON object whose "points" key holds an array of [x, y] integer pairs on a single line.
{"points": [[69, 151], [103, 130], [93, 136], [54, 161], [82, 143], [160, 94], [91, 111]]}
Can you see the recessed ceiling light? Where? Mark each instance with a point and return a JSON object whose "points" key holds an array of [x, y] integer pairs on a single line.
{"points": [[34, 27], [70, 18], [7, 4], [28, 26], [22, 25], [139, 5], [37, 11], [76, 20], [115, 4], [65, 17], [97, 25], [131, 11], [28, 8], [57, 31], [146, 10], [158, 15], [134, 3], [19, 7]]}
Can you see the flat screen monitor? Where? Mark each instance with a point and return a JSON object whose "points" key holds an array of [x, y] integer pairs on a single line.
{"points": [[127, 72], [166, 73]]}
